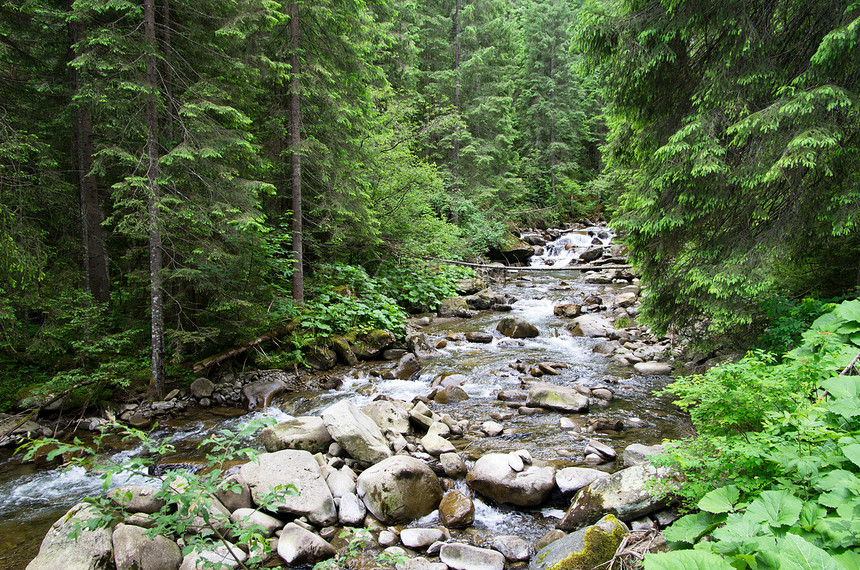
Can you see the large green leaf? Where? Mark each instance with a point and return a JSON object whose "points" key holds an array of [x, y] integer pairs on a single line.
{"points": [[686, 559], [852, 452], [849, 560], [848, 310], [690, 527], [776, 508], [722, 500], [798, 554], [842, 386]]}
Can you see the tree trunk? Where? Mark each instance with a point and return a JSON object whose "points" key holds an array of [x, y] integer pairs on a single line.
{"points": [[95, 260], [156, 296], [295, 153], [552, 103], [455, 154]]}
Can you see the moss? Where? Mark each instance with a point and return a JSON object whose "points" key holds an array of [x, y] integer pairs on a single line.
{"points": [[599, 546]]}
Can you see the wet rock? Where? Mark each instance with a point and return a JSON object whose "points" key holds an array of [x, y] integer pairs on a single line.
{"points": [[399, 489], [343, 351], [512, 547], [606, 347], [604, 394], [484, 300], [511, 250], [585, 549], [556, 397], [626, 494], [567, 310], [455, 307], [493, 477], [202, 388], [389, 414], [356, 432], [592, 326], [591, 254], [600, 448], [405, 369], [393, 353], [371, 344], [92, 550], [638, 454], [298, 545], [515, 327], [516, 396], [626, 300], [572, 479], [259, 394], [549, 538], [320, 357], [456, 510], [298, 467], [603, 424], [460, 556], [305, 432], [653, 368], [419, 563], [451, 380], [134, 550], [247, 518], [451, 395], [420, 538], [479, 337]]}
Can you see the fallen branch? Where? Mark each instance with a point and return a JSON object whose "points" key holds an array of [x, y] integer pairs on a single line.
{"points": [[207, 363], [549, 268]]}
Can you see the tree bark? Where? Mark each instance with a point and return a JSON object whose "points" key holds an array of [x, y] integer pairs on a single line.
{"points": [[455, 154], [95, 262], [552, 160], [156, 296], [295, 153]]}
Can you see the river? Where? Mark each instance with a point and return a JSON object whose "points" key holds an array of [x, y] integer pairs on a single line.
{"points": [[31, 498]]}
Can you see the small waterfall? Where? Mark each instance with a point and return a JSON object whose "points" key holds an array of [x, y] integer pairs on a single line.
{"points": [[567, 248]]}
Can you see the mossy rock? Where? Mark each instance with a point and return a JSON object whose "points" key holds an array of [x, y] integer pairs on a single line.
{"points": [[511, 249], [371, 344], [584, 549]]}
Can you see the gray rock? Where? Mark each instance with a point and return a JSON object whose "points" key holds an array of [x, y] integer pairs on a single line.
{"points": [[306, 432], [625, 300], [460, 556], [572, 479], [516, 327], [512, 547], [202, 388], [351, 511], [492, 428], [341, 482], [371, 344], [493, 477], [207, 513], [234, 493], [453, 465], [585, 549], [387, 538], [638, 454], [259, 394], [389, 414], [543, 395], [479, 337], [567, 310], [591, 254], [273, 470], [592, 326], [653, 368], [356, 432], [399, 489], [137, 499], [405, 369], [436, 445], [627, 494], [605, 451], [419, 563], [298, 545], [419, 538], [548, 538], [455, 307], [222, 556], [93, 549], [247, 518], [133, 550], [451, 395]]}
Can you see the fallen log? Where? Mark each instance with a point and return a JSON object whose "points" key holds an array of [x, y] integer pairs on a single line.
{"points": [[207, 363]]}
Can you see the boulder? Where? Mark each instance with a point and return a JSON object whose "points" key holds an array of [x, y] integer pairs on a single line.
{"points": [[356, 432], [456, 510], [92, 550], [248, 518], [343, 351], [562, 398], [220, 556], [469, 286], [234, 493], [371, 344], [451, 395], [420, 538], [479, 337], [137, 499], [600, 448], [572, 479], [351, 511], [592, 326], [419, 563], [493, 477], [298, 546], [341, 482], [259, 394], [515, 327], [625, 300], [460, 556], [653, 368], [512, 547], [406, 367], [134, 550], [273, 470], [628, 494], [207, 513], [389, 414], [484, 300], [638, 454], [455, 307], [202, 388], [591, 254], [567, 310], [436, 445], [399, 489], [306, 432], [453, 465], [584, 549], [320, 356]]}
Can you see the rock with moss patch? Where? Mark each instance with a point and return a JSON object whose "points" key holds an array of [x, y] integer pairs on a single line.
{"points": [[399, 489], [371, 344], [584, 549], [305, 432], [92, 550]]}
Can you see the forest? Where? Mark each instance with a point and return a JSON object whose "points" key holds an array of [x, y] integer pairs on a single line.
{"points": [[179, 177]]}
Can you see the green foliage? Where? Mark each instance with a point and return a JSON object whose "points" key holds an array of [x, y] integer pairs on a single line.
{"points": [[357, 541], [420, 288], [184, 495], [786, 322], [776, 485]]}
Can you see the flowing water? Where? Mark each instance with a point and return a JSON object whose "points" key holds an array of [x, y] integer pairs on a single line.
{"points": [[31, 499]]}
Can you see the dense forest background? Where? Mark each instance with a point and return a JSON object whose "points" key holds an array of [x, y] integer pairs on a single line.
{"points": [[179, 176]]}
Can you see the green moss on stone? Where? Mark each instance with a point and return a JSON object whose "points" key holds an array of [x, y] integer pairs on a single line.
{"points": [[599, 547]]}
